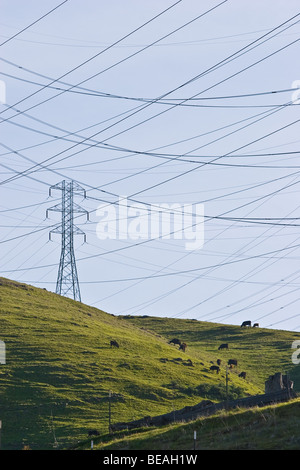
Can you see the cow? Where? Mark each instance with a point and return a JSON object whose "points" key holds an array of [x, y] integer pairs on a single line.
{"points": [[93, 432], [242, 375], [255, 325], [189, 363], [216, 368], [219, 362], [175, 341], [232, 362], [246, 323], [223, 346], [183, 347], [114, 344]]}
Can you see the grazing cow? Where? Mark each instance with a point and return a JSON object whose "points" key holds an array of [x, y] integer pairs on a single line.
{"points": [[246, 323], [242, 375], [219, 362], [232, 362], [223, 346], [256, 325], [175, 341], [216, 368], [93, 432], [114, 343], [183, 347], [188, 362]]}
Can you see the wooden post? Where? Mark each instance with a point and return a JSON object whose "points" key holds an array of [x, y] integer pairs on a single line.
{"points": [[109, 412], [288, 385], [226, 387]]}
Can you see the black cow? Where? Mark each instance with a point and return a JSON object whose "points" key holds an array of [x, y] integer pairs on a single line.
{"points": [[216, 368], [219, 362], [246, 323], [223, 346], [232, 362], [93, 432], [175, 341], [242, 375], [255, 325], [114, 343]]}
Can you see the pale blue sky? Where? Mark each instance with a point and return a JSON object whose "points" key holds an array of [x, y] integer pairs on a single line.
{"points": [[247, 269]]}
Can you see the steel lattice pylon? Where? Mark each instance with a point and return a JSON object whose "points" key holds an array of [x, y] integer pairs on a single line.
{"points": [[67, 279]]}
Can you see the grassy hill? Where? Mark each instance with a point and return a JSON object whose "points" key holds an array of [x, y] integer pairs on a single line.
{"points": [[260, 352], [273, 427], [60, 368]]}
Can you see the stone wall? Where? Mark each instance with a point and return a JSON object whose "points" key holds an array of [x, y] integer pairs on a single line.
{"points": [[206, 408]]}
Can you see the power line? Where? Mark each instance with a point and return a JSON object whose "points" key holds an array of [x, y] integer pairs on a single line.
{"points": [[248, 144], [250, 221], [163, 296], [149, 240], [231, 57], [169, 156], [168, 180], [94, 57], [248, 258], [33, 23], [181, 101], [94, 44]]}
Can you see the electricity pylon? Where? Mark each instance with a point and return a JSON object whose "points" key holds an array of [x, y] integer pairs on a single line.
{"points": [[67, 278]]}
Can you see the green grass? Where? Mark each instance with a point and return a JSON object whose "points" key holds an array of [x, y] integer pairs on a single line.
{"points": [[275, 427], [60, 366], [259, 351]]}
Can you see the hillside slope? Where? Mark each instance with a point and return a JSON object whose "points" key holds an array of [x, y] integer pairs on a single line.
{"points": [[60, 367], [60, 370], [274, 427], [260, 352]]}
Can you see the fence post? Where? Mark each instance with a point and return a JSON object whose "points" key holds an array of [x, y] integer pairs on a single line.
{"points": [[109, 412], [226, 387]]}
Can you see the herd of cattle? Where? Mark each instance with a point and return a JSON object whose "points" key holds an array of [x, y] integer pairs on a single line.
{"points": [[231, 362], [182, 347]]}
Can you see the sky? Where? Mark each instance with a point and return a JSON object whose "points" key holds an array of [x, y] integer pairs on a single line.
{"points": [[180, 120]]}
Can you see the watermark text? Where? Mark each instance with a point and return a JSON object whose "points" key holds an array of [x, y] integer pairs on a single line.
{"points": [[138, 221]]}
